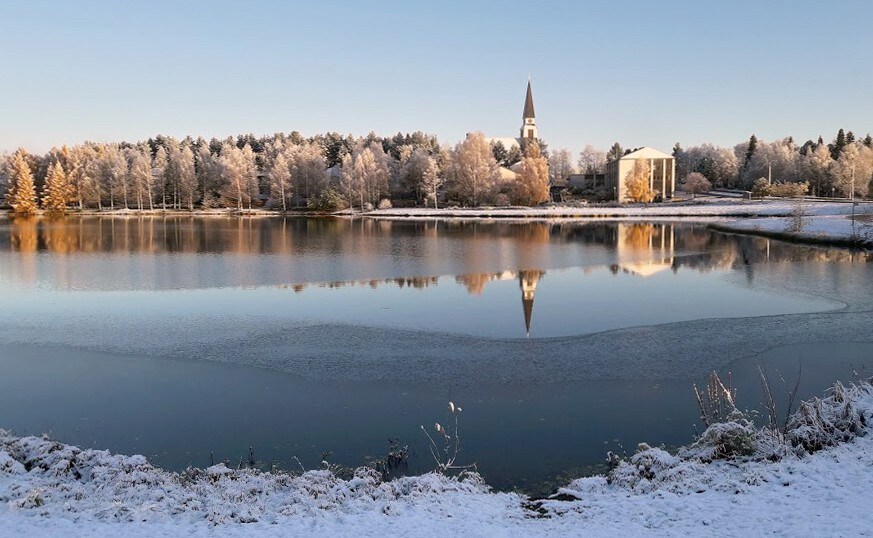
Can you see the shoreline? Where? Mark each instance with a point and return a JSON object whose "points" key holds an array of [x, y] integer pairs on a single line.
{"points": [[773, 483], [749, 217]]}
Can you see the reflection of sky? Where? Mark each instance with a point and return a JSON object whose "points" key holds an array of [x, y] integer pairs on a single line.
{"points": [[566, 302]]}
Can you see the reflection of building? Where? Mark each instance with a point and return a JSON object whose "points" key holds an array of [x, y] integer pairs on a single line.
{"points": [[644, 249], [527, 281], [662, 173]]}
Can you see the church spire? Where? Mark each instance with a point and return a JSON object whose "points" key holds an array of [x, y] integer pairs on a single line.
{"points": [[528, 103], [527, 281], [529, 123]]}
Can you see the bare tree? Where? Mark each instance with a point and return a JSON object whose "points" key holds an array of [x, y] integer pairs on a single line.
{"points": [[696, 183]]}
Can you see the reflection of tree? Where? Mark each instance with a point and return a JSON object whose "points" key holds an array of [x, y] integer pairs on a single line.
{"points": [[23, 235]]}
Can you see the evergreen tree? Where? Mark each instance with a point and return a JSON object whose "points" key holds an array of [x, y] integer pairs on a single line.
{"points": [[850, 138], [868, 141], [614, 153], [750, 150], [839, 145], [58, 192], [499, 152], [22, 193]]}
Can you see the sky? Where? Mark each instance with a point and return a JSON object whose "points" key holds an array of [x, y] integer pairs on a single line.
{"points": [[637, 73]]}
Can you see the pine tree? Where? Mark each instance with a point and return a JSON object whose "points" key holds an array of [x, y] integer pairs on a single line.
{"points": [[868, 141], [59, 190], [614, 153], [750, 150], [850, 138], [22, 193], [839, 145]]}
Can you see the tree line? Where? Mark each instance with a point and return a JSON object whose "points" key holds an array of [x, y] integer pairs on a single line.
{"points": [[282, 171]]}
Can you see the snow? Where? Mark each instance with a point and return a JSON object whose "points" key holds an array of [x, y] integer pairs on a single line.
{"points": [[702, 207], [52, 489], [839, 227]]}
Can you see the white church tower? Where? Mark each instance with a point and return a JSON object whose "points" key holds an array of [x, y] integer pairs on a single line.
{"points": [[529, 124]]}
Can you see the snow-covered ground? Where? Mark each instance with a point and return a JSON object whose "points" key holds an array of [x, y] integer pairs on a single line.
{"points": [[815, 227], [51, 489], [706, 206]]}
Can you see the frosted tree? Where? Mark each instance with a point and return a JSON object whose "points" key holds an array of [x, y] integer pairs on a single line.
{"points": [[560, 166], [238, 174], [351, 184], [308, 170], [22, 193], [473, 172], [251, 174], [418, 172], [186, 175], [853, 169], [696, 183], [208, 172], [279, 175], [159, 170], [140, 177], [637, 182], [58, 192], [532, 185], [114, 173], [593, 160]]}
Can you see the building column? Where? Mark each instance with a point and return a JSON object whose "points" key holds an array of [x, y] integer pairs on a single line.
{"points": [[663, 179], [673, 178], [651, 174]]}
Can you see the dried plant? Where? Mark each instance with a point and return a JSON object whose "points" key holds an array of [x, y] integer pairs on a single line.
{"points": [[447, 456]]}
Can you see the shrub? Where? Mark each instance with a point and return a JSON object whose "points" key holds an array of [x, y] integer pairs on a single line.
{"points": [[384, 203], [329, 200], [789, 190], [761, 188]]}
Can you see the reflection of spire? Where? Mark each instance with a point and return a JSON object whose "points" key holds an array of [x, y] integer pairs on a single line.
{"points": [[527, 281]]}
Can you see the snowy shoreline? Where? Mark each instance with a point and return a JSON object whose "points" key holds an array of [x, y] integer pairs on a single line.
{"points": [[49, 488]]}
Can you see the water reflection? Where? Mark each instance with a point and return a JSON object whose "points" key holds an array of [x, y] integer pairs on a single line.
{"points": [[651, 265]]}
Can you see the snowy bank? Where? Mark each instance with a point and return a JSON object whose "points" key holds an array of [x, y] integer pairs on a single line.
{"points": [[703, 207], [824, 229], [726, 482]]}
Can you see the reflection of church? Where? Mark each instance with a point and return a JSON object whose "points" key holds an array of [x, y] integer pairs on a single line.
{"points": [[527, 281]]}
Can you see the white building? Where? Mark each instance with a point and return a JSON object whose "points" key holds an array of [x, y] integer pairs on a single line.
{"points": [[662, 173]]}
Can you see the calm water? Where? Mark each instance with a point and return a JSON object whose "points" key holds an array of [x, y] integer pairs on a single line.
{"points": [[177, 337]]}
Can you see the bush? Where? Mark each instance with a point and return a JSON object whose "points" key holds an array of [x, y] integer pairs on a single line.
{"points": [[761, 188], [329, 200], [789, 190], [384, 203]]}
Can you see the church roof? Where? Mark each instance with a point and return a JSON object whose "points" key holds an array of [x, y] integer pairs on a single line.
{"points": [[528, 103], [647, 152]]}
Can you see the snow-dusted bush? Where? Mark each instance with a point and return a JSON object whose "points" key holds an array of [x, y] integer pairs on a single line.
{"points": [[736, 437], [823, 422], [384, 203]]}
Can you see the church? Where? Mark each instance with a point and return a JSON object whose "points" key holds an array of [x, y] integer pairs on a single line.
{"points": [[528, 130]]}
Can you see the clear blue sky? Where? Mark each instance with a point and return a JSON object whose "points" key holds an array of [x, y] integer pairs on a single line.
{"points": [[641, 73]]}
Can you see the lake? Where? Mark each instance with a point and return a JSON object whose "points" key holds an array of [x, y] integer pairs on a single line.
{"points": [[191, 339]]}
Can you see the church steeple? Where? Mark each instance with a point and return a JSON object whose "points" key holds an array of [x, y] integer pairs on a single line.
{"points": [[527, 281], [529, 124]]}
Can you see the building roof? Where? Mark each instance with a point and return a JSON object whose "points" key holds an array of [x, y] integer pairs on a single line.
{"points": [[647, 152], [528, 104], [507, 141]]}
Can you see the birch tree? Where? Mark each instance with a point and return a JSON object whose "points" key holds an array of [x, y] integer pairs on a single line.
{"points": [[473, 171], [22, 193]]}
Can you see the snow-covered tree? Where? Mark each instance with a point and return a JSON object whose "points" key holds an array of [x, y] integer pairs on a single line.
{"points": [[140, 176], [159, 170], [185, 175], [532, 185], [560, 166], [238, 174], [696, 183], [473, 172], [308, 170], [593, 160], [279, 175], [21, 194], [58, 191]]}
